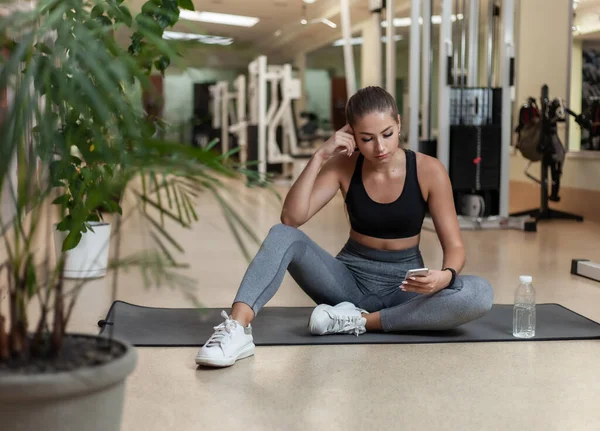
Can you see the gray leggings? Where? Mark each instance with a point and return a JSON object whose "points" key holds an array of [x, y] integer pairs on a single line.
{"points": [[368, 278]]}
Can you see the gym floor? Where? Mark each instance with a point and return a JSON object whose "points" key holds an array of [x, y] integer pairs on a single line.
{"points": [[473, 386]]}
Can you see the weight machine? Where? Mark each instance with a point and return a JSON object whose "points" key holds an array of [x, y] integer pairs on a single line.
{"points": [[268, 117], [229, 113], [474, 123]]}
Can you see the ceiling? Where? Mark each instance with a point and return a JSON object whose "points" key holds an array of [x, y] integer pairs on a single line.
{"points": [[587, 20], [279, 33]]}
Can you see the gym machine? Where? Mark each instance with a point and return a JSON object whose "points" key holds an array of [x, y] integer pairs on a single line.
{"points": [[474, 123], [270, 118], [240, 127], [229, 114]]}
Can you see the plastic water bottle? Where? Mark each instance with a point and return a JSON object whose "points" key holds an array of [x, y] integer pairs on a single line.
{"points": [[524, 309]]}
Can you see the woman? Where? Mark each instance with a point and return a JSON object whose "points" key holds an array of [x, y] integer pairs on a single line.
{"points": [[387, 191]]}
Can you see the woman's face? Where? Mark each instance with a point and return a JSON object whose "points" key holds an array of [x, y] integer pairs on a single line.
{"points": [[376, 135]]}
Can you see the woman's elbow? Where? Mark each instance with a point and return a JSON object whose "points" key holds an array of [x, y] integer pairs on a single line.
{"points": [[289, 221]]}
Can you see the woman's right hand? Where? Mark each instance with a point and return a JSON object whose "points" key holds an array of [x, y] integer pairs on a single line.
{"points": [[342, 142]]}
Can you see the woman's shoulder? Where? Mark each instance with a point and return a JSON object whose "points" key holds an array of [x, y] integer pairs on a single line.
{"points": [[431, 172], [429, 165]]}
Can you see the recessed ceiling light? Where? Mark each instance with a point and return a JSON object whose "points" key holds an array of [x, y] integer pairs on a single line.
{"points": [[218, 18], [309, 1], [203, 38], [303, 21]]}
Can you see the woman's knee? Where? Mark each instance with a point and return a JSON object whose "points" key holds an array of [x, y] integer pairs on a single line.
{"points": [[280, 229], [281, 232], [480, 294], [283, 237]]}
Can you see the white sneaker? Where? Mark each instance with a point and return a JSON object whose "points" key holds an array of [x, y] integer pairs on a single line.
{"points": [[344, 318], [230, 341]]}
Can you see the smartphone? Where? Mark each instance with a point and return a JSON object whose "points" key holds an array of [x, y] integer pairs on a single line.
{"points": [[419, 272]]}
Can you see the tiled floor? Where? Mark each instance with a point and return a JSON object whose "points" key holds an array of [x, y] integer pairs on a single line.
{"points": [[478, 386]]}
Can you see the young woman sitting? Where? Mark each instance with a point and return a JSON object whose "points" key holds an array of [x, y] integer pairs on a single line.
{"points": [[387, 192]]}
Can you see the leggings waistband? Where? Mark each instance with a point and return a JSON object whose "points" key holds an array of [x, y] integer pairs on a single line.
{"points": [[408, 254]]}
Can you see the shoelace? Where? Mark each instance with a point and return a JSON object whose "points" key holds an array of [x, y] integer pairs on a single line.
{"points": [[347, 324], [222, 331]]}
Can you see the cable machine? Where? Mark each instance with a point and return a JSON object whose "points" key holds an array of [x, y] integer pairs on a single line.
{"points": [[474, 123]]}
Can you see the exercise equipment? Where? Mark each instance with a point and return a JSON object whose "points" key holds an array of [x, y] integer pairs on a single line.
{"points": [[586, 268], [474, 123], [538, 141], [191, 327], [229, 115], [273, 124], [240, 127], [590, 138]]}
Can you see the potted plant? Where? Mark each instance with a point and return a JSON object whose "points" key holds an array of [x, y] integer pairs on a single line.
{"points": [[83, 234], [69, 79]]}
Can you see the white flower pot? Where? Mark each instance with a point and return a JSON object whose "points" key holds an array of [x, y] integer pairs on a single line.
{"points": [[89, 259], [89, 398]]}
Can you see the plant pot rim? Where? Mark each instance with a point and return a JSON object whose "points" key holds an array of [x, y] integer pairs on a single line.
{"points": [[94, 223], [15, 388]]}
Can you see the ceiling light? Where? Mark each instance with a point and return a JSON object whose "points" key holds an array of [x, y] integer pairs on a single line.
{"points": [[278, 33], [203, 38], [303, 21], [218, 18], [329, 23], [309, 1]]}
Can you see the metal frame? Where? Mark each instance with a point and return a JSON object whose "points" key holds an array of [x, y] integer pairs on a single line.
{"points": [[426, 67], [224, 112], [446, 52], [220, 118], [473, 60], [240, 128], [390, 49], [502, 220], [278, 112], [348, 53], [414, 77]]}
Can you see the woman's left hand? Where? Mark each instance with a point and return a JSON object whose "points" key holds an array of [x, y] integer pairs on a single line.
{"points": [[431, 283]]}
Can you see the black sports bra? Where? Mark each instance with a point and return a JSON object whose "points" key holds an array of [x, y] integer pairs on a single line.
{"points": [[402, 218]]}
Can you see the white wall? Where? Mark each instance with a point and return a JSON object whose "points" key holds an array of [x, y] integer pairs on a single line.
{"points": [[179, 90], [542, 36], [318, 93]]}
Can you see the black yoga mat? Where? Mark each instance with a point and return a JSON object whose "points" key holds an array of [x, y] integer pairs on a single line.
{"points": [[147, 326]]}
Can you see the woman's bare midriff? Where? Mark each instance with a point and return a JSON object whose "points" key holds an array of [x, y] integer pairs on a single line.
{"points": [[385, 244]]}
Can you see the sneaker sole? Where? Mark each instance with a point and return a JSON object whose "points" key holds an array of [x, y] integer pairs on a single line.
{"points": [[246, 352]]}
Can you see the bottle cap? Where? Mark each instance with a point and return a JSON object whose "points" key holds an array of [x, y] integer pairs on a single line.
{"points": [[526, 278]]}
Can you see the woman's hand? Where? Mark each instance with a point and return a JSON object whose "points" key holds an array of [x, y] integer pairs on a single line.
{"points": [[342, 142], [429, 284]]}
